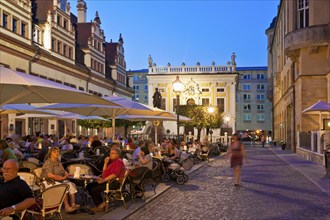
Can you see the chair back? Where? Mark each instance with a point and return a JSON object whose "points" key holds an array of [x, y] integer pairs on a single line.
{"points": [[28, 164], [84, 169], [69, 155], [102, 149], [29, 178], [52, 198], [137, 174], [123, 180]]}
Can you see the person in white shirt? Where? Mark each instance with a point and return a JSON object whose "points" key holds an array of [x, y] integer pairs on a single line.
{"points": [[67, 145]]}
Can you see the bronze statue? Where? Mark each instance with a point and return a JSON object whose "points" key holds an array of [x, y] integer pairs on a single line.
{"points": [[157, 99]]}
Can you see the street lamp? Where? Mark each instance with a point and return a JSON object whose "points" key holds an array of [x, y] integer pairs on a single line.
{"points": [[210, 110], [227, 120], [177, 89]]}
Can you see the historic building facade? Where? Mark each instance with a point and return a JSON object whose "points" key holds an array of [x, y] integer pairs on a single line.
{"points": [[45, 39], [253, 109], [299, 74], [203, 85], [138, 78]]}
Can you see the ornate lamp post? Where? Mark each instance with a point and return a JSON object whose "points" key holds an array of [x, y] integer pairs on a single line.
{"points": [[210, 110], [227, 120], [156, 123], [177, 89]]}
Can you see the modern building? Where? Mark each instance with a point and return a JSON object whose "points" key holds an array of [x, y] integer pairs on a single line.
{"points": [[44, 38], [138, 78], [253, 109], [203, 85], [299, 75]]}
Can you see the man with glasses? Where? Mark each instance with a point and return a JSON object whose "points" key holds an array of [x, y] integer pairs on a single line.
{"points": [[113, 168], [15, 193]]}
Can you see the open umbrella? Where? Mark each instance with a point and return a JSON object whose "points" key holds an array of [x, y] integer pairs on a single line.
{"points": [[21, 108], [66, 115], [318, 108], [125, 106], [154, 119], [17, 87]]}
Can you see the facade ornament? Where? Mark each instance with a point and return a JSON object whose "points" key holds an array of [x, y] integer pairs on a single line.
{"points": [[121, 40], [168, 64], [150, 61], [183, 64], [97, 18], [157, 99], [228, 63], [154, 64], [198, 63], [68, 7], [213, 63]]}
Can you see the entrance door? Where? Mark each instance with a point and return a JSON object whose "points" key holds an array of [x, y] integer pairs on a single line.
{"points": [[60, 128], [19, 127]]}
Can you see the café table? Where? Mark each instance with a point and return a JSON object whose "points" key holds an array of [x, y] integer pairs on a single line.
{"points": [[84, 179]]}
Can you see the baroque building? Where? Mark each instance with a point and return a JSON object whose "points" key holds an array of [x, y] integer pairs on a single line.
{"points": [[299, 75], [203, 85], [45, 39]]}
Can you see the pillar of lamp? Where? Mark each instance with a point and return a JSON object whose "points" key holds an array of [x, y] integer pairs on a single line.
{"points": [[178, 87], [156, 124], [210, 110]]}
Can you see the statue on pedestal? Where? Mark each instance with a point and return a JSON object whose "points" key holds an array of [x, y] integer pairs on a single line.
{"points": [[233, 57], [157, 99], [150, 61]]}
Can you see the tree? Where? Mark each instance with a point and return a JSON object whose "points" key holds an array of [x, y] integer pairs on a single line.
{"points": [[201, 118]]}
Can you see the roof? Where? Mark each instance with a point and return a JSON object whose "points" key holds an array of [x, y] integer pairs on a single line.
{"points": [[84, 31], [111, 52], [40, 9], [272, 24], [251, 68], [138, 71]]}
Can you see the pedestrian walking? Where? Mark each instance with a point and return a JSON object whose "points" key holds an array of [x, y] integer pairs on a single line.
{"points": [[236, 152], [263, 140]]}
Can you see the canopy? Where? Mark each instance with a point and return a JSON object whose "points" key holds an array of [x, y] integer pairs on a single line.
{"points": [[125, 106], [17, 87], [318, 107], [152, 118], [21, 108], [65, 115]]}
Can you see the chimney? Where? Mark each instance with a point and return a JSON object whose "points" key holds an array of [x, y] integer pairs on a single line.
{"points": [[81, 8]]}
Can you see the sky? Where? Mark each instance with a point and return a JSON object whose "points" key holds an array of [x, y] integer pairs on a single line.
{"points": [[186, 31]]}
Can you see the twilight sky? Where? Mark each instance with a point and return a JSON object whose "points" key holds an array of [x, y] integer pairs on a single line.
{"points": [[186, 31]]}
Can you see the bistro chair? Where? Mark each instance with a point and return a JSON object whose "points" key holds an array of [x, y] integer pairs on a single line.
{"points": [[29, 178], [28, 164], [136, 177], [117, 194], [34, 160], [50, 202]]}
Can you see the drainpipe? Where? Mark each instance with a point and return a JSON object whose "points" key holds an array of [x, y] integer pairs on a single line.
{"points": [[294, 112], [33, 59], [88, 79]]}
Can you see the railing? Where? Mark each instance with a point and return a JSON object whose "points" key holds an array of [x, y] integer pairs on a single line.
{"points": [[191, 69]]}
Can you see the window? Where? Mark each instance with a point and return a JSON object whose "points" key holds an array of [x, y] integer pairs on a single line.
{"points": [[247, 117], [260, 86], [53, 44], [65, 24], [205, 101], [205, 90], [247, 76], [260, 97], [221, 104], [70, 52], [59, 20], [260, 76], [146, 97], [64, 50], [135, 78], [15, 25], [5, 20], [145, 87], [246, 97], [220, 89], [303, 13], [24, 29], [59, 45], [260, 117], [260, 107], [246, 87], [247, 107]]}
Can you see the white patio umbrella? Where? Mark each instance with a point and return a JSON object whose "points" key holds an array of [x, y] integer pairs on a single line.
{"points": [[17, 87], [153, 119], [65, 115], [126, 106], [319, 108], [21, 108]]}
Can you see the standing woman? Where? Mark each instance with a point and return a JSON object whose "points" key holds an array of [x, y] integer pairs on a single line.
{"points": [[236, 152]]}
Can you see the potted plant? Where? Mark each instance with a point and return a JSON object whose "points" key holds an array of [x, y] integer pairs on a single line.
{"points": [[283, 144]]}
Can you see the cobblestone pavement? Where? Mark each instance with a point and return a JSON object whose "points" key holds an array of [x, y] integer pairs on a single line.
{"points": [[271, 189]]}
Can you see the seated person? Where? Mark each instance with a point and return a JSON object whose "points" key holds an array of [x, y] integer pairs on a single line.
{"points": [[145, 158], [131, 144], [67, 146], [15, 193], [137, 150], [7, 152], [96, 142], [54, 173], [113, 168], [173, 152], [42, 155]]}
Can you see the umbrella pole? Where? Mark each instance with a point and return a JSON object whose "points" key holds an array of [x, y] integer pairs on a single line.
{"points": [[156, 138], [113, 127], [320, 120]]}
